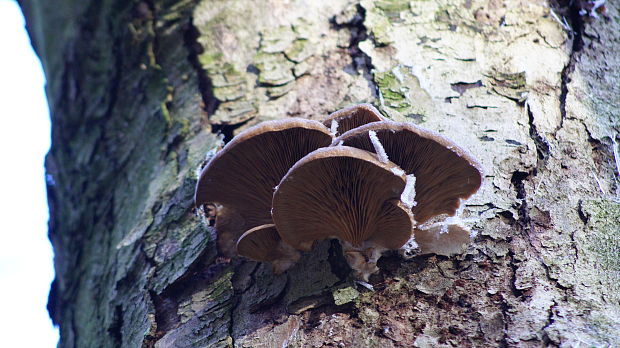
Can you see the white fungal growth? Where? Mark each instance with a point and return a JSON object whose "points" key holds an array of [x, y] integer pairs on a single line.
{"points": [[410, 249], [473, 234], [408, 195], [595, 5], [398, 171], [557, 19], [334, 127], [364, 284], [202, 215], [452, 220], [598, 182], [383, 157]]}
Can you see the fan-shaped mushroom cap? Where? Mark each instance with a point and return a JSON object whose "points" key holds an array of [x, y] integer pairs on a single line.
{"points": [[259, 243], [345, 193], [435, 241], [242, 176], [445, 173], [352, 117], [262, 243]]}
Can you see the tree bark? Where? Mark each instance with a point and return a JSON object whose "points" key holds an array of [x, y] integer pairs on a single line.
{"points": [[141, 91]]}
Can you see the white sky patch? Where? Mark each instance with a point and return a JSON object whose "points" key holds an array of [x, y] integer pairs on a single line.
{"points": [[383, 157], [408, 195], [25, 252]]}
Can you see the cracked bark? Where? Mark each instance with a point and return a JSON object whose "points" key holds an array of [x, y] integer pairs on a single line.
{"points": [[140, 92]]}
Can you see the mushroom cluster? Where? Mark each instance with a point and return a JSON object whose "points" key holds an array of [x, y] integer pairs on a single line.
{"points": [[373, 184]]}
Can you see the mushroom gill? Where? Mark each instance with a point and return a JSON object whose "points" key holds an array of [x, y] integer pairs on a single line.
{"points": [[280, 186], [345, 193], [444, 172], [242, 176]]}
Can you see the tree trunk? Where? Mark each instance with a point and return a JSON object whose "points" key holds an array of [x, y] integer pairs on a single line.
{"points": [[141, 91]]}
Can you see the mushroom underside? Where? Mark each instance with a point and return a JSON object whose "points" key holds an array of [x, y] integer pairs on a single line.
{"points": [[242, 176], [344, 193], [283, 185], [445, 174]]}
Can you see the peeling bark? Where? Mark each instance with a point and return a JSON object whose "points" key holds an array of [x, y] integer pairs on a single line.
{"points": [[141, 92]]}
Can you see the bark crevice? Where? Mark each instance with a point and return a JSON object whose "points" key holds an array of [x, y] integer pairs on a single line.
{"points": [[525, 223], [550, 320], [576, 34], [361, 62], [543, 148], [205, 85]]}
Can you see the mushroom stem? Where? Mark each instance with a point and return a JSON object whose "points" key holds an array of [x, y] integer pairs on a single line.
{"points": [[289, 256], [363, 260]]}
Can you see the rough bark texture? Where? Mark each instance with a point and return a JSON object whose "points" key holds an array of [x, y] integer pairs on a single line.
{"points": [[140, 90]]}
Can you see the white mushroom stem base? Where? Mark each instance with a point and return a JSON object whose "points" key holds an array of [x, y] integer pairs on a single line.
{"points": [[410, 249], [363, 259]]}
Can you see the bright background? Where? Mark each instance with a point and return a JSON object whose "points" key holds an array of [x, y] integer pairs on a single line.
{"points": [[26, 269]]}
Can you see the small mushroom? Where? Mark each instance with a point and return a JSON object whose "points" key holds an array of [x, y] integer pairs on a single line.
{"points": [[240, 178], [262, 243], [444, 172], [344, 120], [345, 193]]}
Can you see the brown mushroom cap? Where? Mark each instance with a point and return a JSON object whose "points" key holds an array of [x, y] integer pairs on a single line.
{"points": [[242, 176], [262, 243], [445, 173], [353, 117], [259, 243], [345, 193], [433, 241]]}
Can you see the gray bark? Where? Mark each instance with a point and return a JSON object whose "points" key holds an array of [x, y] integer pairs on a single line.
{"points": [[141, 91]]}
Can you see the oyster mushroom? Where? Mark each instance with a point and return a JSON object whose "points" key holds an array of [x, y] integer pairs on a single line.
{"points": [[240, 179], [346, 119], [449, 242], [262, 243], [444, 173], [345, 193]]}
